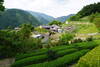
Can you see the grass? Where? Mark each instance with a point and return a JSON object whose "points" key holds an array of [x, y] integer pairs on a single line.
{"points": [[91, 59], [88, 29]]}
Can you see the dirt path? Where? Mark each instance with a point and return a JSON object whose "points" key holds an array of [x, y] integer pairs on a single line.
{"points": [[7, 62]]}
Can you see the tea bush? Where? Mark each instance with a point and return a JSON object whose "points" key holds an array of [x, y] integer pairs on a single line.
{"points": [[41, 58], [60, 62]]}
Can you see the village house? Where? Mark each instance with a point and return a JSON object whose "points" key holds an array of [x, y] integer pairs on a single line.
{"points": [[53, 28]]}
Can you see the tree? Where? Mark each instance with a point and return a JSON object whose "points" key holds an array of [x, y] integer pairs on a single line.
{"points": [[13, 42], [89, 9], [1, 5], [65, 38], [25, 30], [74, 18], [55, 23]]}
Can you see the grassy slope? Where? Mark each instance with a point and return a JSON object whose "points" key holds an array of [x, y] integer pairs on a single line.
{"points": [[91, 59], [84, 28]]}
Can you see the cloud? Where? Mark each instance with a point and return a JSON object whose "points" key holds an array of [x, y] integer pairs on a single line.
{"points": [[51, 7]]}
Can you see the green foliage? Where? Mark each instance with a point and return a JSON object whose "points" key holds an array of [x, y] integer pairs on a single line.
{"points": [[90, 38], [16, 17], [96, 20], [41, 30], [91, 18], [60, 62], [25, 30], [22, 56], [87, 29], [89, 9], [13, 42], [6, 39], [65, 38], [1, 5], [55, 23], [74, 18], [66, 51], [42, 56], [30, 60], [50, 55], [42, 51], [82, 45], [86, 45], [91, 59]]}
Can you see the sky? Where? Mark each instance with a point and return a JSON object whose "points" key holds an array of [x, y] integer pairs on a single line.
{"points": [[55, 8]]}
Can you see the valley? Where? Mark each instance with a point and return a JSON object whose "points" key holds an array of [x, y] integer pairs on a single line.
{"points": [[33, 39]]}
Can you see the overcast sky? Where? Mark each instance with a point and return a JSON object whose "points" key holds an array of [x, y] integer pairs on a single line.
{"points": [[54, 8]]}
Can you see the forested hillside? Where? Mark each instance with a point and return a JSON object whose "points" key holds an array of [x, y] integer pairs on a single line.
{"points": [[43, 18], [14, 17], [64, 18], [87, 11]]}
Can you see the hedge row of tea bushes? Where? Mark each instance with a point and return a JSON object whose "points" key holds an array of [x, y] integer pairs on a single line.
{"points": [[83, 45], [60, 62], [41, 58], [42, 51], [91, 59]]}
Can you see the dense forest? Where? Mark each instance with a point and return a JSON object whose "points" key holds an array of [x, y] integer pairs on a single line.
{"points": [[87, 10]]}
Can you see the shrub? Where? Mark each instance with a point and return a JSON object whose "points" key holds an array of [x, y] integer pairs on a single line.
{"points": [[21, 56], [82, 45], [60, 62], [55, 23], [42, 51], [30, 60], [77, 40], [85, 45], [41, 58], [90, 38], [67, 51], [65, 38], [51, 55]]}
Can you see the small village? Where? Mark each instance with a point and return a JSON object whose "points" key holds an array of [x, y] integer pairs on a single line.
{"points": [[50, 33], [53, 32]]}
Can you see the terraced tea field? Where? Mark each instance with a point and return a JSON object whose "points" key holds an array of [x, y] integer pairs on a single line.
{"points": [[59, 56]]}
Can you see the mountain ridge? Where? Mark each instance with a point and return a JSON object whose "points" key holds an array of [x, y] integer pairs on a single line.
{"points": [[15, 17]]}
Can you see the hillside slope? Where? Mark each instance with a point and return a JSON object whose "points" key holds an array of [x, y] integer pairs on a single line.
{"points": [[15, 17], [43, 18], [64, 18]]}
